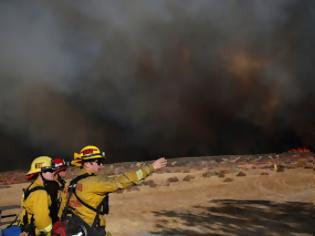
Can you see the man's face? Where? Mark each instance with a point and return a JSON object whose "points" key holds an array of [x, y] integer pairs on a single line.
{"points": [[48, 175], [62, 173], [95, 166]]}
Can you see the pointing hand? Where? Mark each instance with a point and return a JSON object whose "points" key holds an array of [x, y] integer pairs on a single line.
{"points": [[159, 163]]}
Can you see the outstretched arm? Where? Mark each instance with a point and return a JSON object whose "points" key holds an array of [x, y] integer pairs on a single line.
{"points": [[131, 177]]}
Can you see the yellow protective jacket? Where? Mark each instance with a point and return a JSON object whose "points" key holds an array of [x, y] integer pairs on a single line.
{"points": [[36, 206], [93, 189]]}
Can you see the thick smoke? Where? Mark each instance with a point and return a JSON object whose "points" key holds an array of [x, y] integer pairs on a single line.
{"points": [[149, 78]]}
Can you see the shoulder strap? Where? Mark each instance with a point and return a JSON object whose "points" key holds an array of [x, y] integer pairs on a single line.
{"points": [[26, 225], [97, 210], [78, 178], [27, 191], [103, 204], [74, 182], [84, 203], [71, 189]]}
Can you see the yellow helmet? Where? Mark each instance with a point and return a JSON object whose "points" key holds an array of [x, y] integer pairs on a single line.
{"points": [[87, 153], [40, 164]]}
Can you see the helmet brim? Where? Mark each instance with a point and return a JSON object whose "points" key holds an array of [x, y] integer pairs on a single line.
{"points": [[60, 169], [30, 172], [93, 157]]}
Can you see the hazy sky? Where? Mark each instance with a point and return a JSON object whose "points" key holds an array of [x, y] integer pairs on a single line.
{"points": [[148, 78]]}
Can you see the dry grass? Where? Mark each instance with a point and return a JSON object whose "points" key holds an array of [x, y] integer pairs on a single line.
{"points": [[262, 202]]}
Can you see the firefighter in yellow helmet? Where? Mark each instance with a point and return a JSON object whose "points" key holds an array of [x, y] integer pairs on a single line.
{"points": [[87, 201], [35, 216]]}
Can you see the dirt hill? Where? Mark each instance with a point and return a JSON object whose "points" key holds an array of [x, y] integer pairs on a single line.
{"points": [[270, 194]]}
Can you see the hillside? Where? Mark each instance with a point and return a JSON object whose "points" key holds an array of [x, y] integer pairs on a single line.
{"points": [[270, 194]]}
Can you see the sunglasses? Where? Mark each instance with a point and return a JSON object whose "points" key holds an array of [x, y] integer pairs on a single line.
{"points": [[100, 161], [47, 169]]}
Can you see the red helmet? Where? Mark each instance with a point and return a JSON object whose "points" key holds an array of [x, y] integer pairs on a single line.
{"points": [[59, 164]]}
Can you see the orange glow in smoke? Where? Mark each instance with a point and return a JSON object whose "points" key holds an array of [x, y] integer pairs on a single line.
{"points": [[243, 65]]}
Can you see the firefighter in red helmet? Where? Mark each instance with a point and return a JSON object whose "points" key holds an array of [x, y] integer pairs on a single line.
{"points": [[60, 171], [56, 187]]}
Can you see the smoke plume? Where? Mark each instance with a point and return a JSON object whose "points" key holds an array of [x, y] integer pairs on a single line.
{"points": [[148, 78]]}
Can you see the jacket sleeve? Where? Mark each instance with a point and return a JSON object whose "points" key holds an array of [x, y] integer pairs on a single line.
{"points": [[42, 218], [111, 184]]}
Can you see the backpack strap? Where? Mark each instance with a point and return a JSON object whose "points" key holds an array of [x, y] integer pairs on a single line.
{"points": [[28, 191], [84, 203], [98, 210], [26, 225], [78, 178], [71, 189]]}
